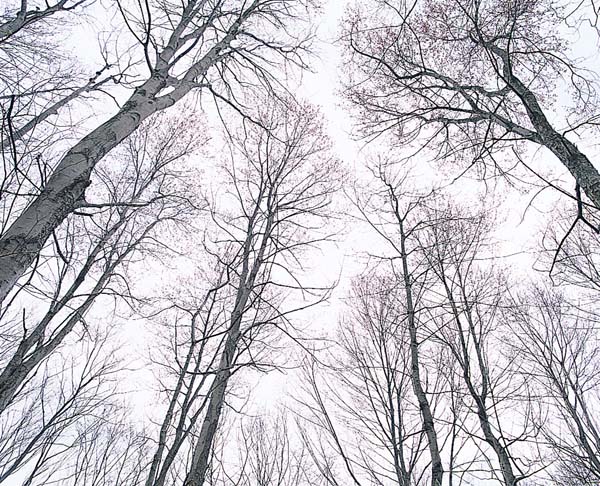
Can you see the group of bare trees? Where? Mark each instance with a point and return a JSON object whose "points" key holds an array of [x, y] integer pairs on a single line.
{"points": [[279, 188], [448, 370], [168, 187], [101, 184]]}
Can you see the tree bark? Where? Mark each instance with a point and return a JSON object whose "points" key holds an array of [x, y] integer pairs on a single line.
{"points": [[201, 456], [580, 167], [437, 468], [65, 188]]}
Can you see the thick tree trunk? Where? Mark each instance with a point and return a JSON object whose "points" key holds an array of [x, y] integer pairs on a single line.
{"points": [[21, 244], [65, 188], [580, 167]]}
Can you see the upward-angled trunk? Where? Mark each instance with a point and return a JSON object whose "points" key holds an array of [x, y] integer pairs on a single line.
{"points": [[580, 167], [201, 456], [33, 349], [56, 106], [65, 188], [480, 397], [204, 444], [437, 468], [20, 245]]}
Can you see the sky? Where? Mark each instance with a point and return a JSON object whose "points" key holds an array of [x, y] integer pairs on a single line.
{"points": [[517, 233]]}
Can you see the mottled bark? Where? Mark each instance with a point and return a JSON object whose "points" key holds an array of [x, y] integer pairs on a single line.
{"points": [[65, 188], [20, 245], [476, 104]]}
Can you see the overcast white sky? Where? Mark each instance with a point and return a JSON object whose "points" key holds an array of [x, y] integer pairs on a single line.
{"points": [[322, 88]]}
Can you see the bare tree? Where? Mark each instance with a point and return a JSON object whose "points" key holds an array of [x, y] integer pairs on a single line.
{"points": [[399, 224], [55, 432], [109, 451], [387, 346], [280, 183], [220, 46], [30, 13], [471, 78], [267, 455], [469, 325], [470, 392], [112, 230], [570, 254], [557, 344], [39, 83], [363, 405], [194, 337], [88, 262]]}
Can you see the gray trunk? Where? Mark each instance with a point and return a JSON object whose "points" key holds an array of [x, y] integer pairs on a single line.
{"points": [[437, 468], [580, 167], [201, 456], [25, 238]]}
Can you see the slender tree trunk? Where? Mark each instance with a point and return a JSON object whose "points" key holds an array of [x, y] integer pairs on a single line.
{"points": [[204, 445], [480, 398], [203, 448], [437, 468], [32, 350], [53, 109]]}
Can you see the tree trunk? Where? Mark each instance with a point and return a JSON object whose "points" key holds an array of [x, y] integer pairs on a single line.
{"points": [[203, 448], [580, 167], [437, 468], [65, 188]]}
